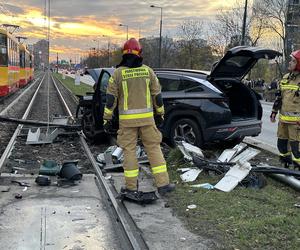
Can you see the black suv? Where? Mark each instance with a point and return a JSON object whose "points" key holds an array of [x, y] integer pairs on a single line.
{"points": [[199, 107]]}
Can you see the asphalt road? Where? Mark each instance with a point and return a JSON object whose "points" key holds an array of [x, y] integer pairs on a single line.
{"points": [[268, 136]]}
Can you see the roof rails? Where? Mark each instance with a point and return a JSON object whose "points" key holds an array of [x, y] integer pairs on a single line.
{"points": [[184, 70]]}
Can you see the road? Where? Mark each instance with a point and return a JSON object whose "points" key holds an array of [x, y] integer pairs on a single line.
{"points": [[268, 136]]}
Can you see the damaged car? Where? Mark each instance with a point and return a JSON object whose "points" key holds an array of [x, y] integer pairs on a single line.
{"points": [[200, 107]]}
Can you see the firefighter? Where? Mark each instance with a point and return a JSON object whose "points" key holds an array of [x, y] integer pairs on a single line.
{"points": [[288, 104], [136, 90]]}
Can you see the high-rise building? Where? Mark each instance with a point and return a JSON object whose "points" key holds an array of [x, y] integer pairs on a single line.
{"points": [[293, 26], [40, 52]]}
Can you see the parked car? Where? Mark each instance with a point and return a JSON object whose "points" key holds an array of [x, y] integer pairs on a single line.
{"points": [[199, 107]]}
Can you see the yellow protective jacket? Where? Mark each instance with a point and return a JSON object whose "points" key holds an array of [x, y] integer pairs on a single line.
{"points": [[289, 112], [135, 90]]}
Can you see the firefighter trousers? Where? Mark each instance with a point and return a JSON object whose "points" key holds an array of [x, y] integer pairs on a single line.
{"points": [[289, 133], [151, 139]]}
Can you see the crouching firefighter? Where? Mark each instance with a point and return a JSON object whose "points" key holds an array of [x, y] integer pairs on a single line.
{"points": [[288, 104], [135, 88]]}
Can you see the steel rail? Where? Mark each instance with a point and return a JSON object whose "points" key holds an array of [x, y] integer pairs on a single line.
{"points": [[63, 100], [18, 129], [133, 234], [68, 90], [4, 111]]}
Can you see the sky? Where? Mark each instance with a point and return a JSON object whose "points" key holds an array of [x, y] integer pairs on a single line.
{"points": [[77, 25]]}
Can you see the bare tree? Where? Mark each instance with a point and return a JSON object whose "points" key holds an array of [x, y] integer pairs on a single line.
{"points": [[190, 32], [226, 31], [274, 13]]}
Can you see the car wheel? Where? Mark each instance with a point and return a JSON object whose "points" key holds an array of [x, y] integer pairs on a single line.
{"points": [[186, 130], [88, 125]]}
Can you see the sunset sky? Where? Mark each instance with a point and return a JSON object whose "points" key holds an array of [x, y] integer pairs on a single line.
{"points": [[76, 24]]}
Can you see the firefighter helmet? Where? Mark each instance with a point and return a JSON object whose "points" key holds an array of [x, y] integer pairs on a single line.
{"points": [[296, 55], [132, 46]]}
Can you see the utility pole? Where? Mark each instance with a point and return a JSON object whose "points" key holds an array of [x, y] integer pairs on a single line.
{"points": [[244, 23], [57, 62]]}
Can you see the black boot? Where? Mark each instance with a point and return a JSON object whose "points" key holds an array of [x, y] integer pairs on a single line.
{"points": [[286, 161], [296, 165], [166, 189]]}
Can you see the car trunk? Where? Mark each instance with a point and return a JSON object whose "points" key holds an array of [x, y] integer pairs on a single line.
{"points": [[241, 100]]}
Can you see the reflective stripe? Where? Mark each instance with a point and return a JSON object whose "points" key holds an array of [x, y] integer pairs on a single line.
{"points": [[296, 159], [159, 169], [148, 95], [289, 86], [107, 111], [135, 111], [135, 116], [160, 110], [131, 51], [135, 73], [289, 118], [286, 154], [292, 114], [125, 92], [131, 173]]}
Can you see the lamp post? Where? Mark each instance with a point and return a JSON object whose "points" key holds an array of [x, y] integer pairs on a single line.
{"points": [[108, 49], [160, 30], [244, 23], [124, 25]]}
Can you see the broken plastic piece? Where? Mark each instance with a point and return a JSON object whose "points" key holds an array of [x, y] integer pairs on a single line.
{"points": [[70, 171], [43, 180], [190, 175], [204, 185], [247, 155], [188, 150], [49, 167], [232, 178]]}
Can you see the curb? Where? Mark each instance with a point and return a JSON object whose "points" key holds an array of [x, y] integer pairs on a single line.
{"points": [[261, 145]]}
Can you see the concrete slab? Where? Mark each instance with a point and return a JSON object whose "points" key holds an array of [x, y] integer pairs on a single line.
{"points": [[161, 229], [52, 217]]}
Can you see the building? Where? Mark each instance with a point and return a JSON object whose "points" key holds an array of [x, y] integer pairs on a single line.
{"points": [[293, 26], [40, 52]]}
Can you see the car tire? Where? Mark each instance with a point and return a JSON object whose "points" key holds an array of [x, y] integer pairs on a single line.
{"points": [[187, 130]]}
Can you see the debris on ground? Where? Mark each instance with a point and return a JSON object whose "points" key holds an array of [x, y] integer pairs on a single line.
{"points": [[113, 157], [234, 167]]}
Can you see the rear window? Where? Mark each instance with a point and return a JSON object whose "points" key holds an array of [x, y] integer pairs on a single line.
{"points": [[169, 83], [190, 85], [238, 61]]}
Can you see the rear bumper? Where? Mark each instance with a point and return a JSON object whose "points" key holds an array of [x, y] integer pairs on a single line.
{"points": [[233, 130]]}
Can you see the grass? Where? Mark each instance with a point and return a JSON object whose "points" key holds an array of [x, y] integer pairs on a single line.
{"points": [[76, 89], [245, 218]]}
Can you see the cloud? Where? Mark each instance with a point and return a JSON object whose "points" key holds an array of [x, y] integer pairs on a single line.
{"points": [[78, 22]]}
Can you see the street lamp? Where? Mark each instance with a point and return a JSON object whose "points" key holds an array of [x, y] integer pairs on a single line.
{"points": [[124, 25], [160, 29]]}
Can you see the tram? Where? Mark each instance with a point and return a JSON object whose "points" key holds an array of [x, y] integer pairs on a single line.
{"points": [[25, 65], [9, 63]]}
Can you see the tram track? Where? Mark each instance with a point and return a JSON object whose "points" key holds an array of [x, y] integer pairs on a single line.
{"points": [[26, 159]]}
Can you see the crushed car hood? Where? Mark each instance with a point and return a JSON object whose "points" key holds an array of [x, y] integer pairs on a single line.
{"points": [[238, 61]]}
